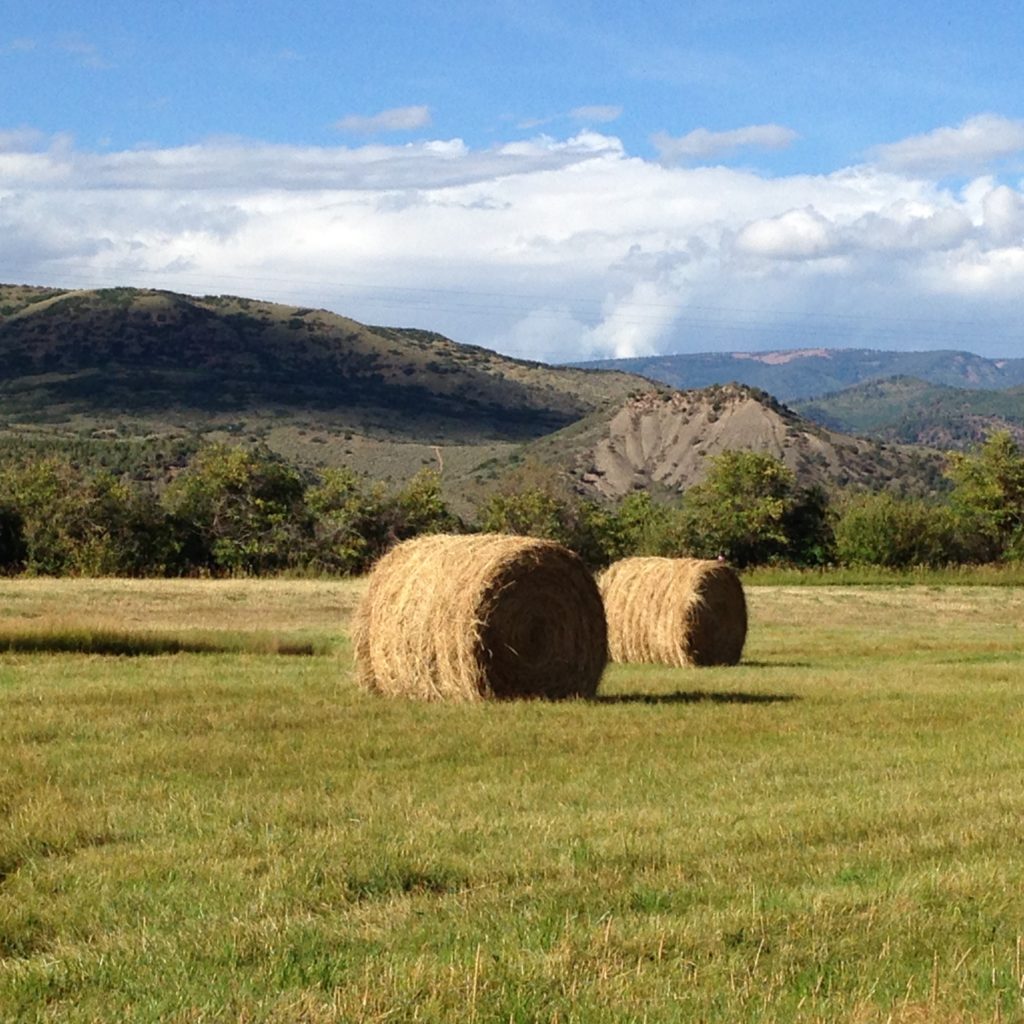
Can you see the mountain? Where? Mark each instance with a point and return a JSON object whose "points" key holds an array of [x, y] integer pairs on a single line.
{"points": [[317, 387], [116, 366], [912, 411], [661, 441], [807, 373]]}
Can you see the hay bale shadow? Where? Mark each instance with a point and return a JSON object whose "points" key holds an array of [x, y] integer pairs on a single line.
{"points": [[694, 697], [777, 664]]}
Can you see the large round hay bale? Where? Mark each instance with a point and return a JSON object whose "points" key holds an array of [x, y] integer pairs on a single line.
{"points": [[477, 617], [674, 611]]}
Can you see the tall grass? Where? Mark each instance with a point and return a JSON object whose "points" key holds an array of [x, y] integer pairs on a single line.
{"points": [[829, 832], [1007, 575]]}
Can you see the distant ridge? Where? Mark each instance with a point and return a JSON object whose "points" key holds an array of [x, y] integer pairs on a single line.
{"points": [[911, 411], [799, 374]]}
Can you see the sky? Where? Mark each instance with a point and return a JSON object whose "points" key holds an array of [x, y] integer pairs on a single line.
{"points": [[557, 181]]}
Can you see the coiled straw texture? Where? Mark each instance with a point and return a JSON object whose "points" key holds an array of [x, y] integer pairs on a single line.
{"points": [[480, 617], [674, 611]]}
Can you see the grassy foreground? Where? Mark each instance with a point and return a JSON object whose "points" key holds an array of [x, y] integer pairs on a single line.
{"points": [[829, 832]]}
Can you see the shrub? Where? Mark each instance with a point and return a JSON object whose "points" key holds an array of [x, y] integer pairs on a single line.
{"points": [[988, 497], [63, 520], [883, 529], [239, 512]]}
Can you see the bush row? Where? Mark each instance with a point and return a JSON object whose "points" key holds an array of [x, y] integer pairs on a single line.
{"points": [[235, 511]]}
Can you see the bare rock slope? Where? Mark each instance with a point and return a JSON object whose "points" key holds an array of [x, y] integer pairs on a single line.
{"points": [[665, 439]]}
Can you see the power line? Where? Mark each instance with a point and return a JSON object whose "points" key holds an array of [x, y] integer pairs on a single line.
{"points": [[728, 319]]}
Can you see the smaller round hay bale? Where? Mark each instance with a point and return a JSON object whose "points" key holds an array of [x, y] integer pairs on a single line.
{"points": [[480, 617], [674, 611]]}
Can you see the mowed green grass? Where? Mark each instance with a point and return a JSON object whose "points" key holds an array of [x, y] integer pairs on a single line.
{"points": [[831, 831]]}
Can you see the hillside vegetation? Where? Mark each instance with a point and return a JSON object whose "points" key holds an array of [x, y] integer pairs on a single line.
{"points": [[907, 410], [139, 378]]}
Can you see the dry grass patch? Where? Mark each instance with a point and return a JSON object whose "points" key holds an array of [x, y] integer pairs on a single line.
{"points": [[115, 616], [827, 833]]}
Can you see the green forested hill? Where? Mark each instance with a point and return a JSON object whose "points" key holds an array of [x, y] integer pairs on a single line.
{"points": [[149, 353], [912, 411]]}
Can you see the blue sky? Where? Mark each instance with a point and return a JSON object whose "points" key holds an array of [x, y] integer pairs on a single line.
{"points": [[556, 180]]}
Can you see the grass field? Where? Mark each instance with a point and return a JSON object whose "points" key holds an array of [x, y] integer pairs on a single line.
{"points": [[201, 819]]}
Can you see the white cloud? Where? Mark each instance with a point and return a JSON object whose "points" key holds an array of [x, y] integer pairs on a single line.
{"points": [[701, 144], [793, 235], [597, 114], [909, 227], [1003, 213], [967, 148], [397, 119], [548, 248]]}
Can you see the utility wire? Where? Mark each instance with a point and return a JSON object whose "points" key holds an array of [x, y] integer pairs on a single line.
{"points": [[740, 320]]}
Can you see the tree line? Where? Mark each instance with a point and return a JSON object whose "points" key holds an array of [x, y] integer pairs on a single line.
{"points": [[238, 511]]}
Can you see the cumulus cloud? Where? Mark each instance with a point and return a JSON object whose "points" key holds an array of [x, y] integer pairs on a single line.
{"points": [[793, 235], [1003, 215], [397, 119], [701, 144], [967, 148], [554, 248]]}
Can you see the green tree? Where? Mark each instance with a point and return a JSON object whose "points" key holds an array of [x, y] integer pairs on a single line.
{"points": [[639, 526], [593, 533], [532, 512], [240, 512], [419, 507], [749, 509], [534, 500], [531, 501], [347, 522], [355, 524], [808, 527], [988, 497]]}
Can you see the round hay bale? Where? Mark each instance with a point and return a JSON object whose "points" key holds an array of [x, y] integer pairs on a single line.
{"points": [[480, 617], [674, 611]]}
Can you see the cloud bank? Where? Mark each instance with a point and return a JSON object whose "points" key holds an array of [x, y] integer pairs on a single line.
{"points": [[551, 248]]}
